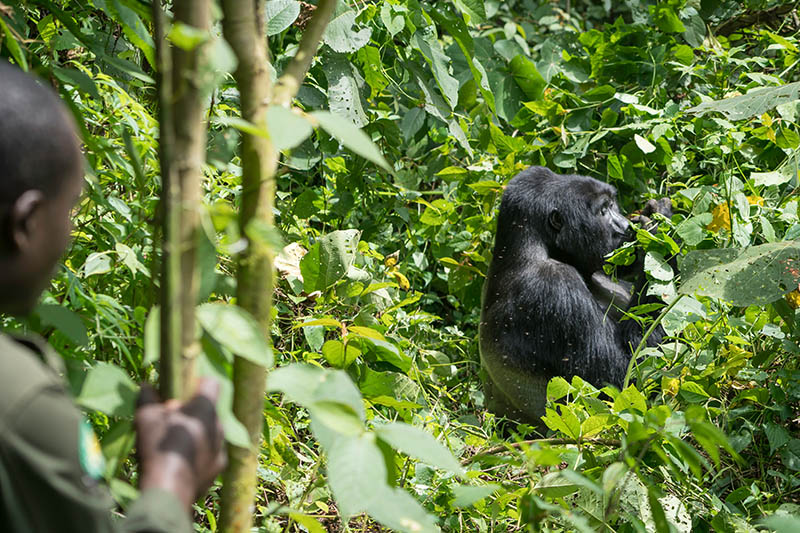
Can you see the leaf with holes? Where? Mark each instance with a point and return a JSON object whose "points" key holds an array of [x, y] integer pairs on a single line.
{"points": [[751, 276]]}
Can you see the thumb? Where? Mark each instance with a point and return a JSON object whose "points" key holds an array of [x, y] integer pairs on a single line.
{"points": [[147, 395]]}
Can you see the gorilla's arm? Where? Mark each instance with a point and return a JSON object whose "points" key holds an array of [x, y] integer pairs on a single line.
{"points": [[552, 325]]}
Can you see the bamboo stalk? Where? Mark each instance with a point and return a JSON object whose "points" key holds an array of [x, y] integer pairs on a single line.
{"points": [[170, 339]]}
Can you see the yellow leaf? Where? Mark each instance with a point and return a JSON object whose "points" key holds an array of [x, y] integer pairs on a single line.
{"points": [[402, 281], [755, 200], [793, 299], [722, 218], [670, 385], [391, 259]]}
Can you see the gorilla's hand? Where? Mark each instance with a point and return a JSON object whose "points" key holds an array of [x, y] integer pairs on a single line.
{"points": [[662, 207], [644, 217]]}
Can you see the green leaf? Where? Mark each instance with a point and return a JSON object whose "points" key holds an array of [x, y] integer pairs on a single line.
{"points": [[776, 435], [466, 495], [329, 259], [657, 267], [64, 320], [666, 19], [77, 79], [752, 276], [287, 129], [644, 145], [13, 46], [298, 382], [237, 330], [339, 34], [309, 385], [457, 29], [554, 485], [527, 77], [130, 259], [338, 417], [393, 18], [96, 263], [108, 389], [557, 388], [186, 37], [630, 398], [385, 351], [280, 15], [419, 444], [356, 473], [308, 522], [782, 523], [397, 510], [351, 137], [693, 392], [344, 94], [241, 125], [659, 518], [473, 9], [339, 356], [429, 46], [754, 103], [134, 29]]}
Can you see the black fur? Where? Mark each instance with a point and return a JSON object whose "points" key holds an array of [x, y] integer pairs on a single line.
{"points": [[547, 308]]}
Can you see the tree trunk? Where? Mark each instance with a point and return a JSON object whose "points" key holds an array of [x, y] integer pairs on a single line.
{"points": [[243, 27]]}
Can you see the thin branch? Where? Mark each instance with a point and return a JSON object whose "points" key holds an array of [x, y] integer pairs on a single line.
{"points": [[295, 73], [611, 443]]}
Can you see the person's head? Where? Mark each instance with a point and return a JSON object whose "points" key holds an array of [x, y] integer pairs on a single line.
{"points": [[41, 176]]}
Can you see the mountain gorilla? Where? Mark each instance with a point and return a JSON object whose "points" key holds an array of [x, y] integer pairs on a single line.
{"points": [[548, 310]]}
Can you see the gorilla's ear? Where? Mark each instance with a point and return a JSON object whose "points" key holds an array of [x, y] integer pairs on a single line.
{"points": [[555, 220]]}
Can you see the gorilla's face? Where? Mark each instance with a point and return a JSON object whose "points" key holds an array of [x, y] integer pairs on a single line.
{"points": [[589, 228]]}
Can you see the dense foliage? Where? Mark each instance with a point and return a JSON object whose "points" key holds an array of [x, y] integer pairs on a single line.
{"points": [[381, 279]]}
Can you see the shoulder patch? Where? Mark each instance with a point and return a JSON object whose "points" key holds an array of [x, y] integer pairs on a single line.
{"points": [[89, 451]]}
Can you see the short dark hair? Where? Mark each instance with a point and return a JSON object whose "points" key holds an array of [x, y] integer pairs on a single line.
{"points": [[38, 143]]}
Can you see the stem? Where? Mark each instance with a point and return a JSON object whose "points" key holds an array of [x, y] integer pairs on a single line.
{"points": [[643, 342], [291, 79], [611, 443]]}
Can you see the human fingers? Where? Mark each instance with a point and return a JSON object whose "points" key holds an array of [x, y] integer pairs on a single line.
{"points": [[147, 395]]}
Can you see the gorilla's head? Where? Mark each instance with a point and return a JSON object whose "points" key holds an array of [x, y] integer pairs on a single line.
{"points": [[576, 218]]}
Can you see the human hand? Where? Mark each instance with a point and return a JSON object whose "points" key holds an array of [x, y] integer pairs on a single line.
{"points": [[180, 445]]}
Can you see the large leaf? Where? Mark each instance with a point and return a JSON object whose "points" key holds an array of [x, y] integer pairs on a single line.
{"points": [[108, 389], [312, 386], [356, 473], [339, 34], [235, 329], [351, 137], [527, 77], [752, 276], [287, 129], [474, 9], [426, 42], [419, 443], [457, 29], [328, 260], [64, 320], [755, 103], [280, 15], [344, 81]]}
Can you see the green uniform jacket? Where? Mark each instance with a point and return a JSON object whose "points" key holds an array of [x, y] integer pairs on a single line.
{"points": [[46, 460]]}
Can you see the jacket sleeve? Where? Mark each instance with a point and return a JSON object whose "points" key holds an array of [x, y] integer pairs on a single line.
{"points": [[54, 464]]}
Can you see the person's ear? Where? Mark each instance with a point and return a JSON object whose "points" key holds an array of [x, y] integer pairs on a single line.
{"points": [[23, 218]]}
